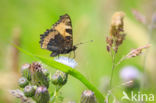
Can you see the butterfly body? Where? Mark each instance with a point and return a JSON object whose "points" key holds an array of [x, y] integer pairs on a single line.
{"points": [[59, 38]]}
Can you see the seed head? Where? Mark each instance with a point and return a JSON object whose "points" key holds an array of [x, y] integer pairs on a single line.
{"points": [[117, 35], [117, 23], [137, 52]]}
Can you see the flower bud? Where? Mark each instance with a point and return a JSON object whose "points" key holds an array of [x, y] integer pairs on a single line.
{"points": [[38, 77], [23, 82], [29, 91], [42, 95], [26, 72], [19, 94], [59, 78], [88, 97]]}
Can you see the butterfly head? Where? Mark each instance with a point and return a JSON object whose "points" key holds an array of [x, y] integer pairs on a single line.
{"points": [[74, 48]]}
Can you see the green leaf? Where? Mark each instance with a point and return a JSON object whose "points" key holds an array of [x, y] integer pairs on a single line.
{"points": [[73, 72]]}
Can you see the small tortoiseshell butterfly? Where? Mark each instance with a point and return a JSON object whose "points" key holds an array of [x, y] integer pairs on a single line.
{"points": [[59, 38]]}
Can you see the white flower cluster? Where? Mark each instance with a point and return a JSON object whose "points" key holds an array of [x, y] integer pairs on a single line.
{"points": [[67, 61]]}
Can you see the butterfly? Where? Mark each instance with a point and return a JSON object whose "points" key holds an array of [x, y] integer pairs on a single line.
{"points": [[59, 39]]}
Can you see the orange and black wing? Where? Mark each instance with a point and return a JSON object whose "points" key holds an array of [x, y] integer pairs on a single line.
{"points": [[59, 36]]}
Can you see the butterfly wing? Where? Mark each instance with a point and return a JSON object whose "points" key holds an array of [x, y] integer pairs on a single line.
{"points": [[59, 38], [64, 25]]}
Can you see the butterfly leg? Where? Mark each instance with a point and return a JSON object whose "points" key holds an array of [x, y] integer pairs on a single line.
{"points": [[53, 54], [74, 54]]}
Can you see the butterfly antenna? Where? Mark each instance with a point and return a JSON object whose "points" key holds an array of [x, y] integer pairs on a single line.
{"points": [[84, 42]]}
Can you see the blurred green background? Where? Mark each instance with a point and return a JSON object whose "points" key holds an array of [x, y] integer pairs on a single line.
{"points": [[22, 22]]}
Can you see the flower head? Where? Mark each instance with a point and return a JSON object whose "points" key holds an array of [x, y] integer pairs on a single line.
{"points": [[23, 82], [131, 77], [59, 78], [19, 94], [36, 67], [29, 91], [25, 70], [88, 97], [67, 61], [129, 73], [42, 95]]}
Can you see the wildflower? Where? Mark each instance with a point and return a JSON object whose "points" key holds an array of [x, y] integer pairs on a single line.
{"points": [[23, 82], [25, 71], [117, 35], [67, 61], [88, 97], [129, 73], [59, 78], [36, 67], [29, 91], [130, 76], [19, 94], [37, 75], [42, 95], [38, 78], [136, 52]]}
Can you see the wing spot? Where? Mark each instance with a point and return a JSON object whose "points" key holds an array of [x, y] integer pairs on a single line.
{"points": [[69, 31]]}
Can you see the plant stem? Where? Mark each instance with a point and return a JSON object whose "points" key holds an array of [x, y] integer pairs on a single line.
{"points": [[112, 72], [55, 94], [121, 60]]}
